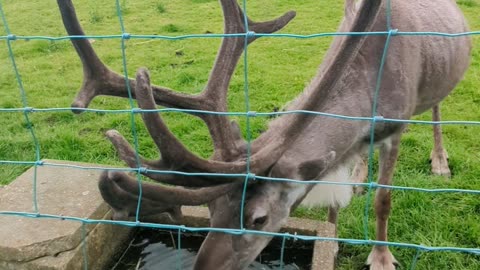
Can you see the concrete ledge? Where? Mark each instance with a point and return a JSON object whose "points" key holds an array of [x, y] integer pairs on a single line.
{"points": [[31, 244], [52, 244]]}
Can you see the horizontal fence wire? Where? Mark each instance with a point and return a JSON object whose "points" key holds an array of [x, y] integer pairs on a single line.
{"points": [[248, 176], [238, 175], [183, 228], [244, 114], [251, 34]]}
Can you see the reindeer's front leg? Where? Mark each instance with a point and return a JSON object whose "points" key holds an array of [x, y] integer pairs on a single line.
{"points": [[381, 258], [439, 156]]}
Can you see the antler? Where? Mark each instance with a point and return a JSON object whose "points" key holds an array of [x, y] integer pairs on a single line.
{"points": [[100, 80], [120, 190], [174, 153], [228, 156], [124, 203]]}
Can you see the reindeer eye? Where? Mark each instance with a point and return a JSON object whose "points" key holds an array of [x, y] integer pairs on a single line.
{"points": [[260, 221]]}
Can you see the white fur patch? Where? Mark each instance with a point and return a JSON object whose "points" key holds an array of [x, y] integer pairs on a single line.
{"points": [[298, 190], [323, 195]]}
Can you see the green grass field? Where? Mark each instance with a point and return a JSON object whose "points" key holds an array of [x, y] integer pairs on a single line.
{"points": [[279, 68]]}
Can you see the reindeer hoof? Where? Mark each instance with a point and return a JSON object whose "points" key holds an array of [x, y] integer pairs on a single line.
{"points": [[381, 260], [440, 164], [442, 171], [381, 267]]}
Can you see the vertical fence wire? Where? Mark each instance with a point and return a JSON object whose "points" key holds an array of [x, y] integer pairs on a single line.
{"points": [[375, 118], [179, 249], [282, 253], [247, 109], [415, 259], [371, 149], [23, 95], [126, 36]]}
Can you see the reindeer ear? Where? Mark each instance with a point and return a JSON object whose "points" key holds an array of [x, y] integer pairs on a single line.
{"points": [[350, 10], [311, 169]]}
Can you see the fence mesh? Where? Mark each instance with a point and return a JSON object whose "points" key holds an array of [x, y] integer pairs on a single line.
{"points": [[371, 185]]}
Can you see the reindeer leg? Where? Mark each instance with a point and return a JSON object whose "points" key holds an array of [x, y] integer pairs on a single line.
{"points": [[439, 156], [359, 174], [381, 258], [333, 214], [333, 218]]}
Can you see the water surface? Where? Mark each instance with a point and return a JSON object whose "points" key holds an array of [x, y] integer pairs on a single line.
{"points": [[154, 249]]}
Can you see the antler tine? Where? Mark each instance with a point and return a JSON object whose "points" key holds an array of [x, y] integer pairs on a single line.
{"points": [[124, 204], [128, 155], [114, 184], [173, 151], [100, 80], [273, 25], [215, 93], [89, 59], [260, 161], [232, 48]]}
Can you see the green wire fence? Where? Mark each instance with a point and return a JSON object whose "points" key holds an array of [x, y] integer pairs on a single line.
{"points": [[10, 38]]}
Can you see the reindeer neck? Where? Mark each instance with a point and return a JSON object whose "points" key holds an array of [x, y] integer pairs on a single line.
{"points": [[340, 58]]}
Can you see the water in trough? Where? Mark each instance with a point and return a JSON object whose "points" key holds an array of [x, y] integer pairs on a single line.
{"points": [[153, 249]]}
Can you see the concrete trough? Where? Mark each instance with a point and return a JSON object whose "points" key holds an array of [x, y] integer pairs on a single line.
{"points": [[54, 244], [324, 252]]}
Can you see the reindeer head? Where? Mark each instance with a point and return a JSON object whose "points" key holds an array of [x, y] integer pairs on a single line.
{"points": [[266, 205], [278, 152]]}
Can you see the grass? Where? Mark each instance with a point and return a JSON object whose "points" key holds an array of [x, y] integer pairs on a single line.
{"points": [[467, 3], [278, 70], [160, 7]]}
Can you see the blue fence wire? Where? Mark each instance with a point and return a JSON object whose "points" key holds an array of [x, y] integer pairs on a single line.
{"points": [[371, 185]]}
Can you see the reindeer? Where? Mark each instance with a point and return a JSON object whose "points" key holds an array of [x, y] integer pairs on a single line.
{"points": [[359, 172], [418, 73]]}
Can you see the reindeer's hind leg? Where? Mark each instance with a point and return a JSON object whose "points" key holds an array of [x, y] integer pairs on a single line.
{"points": [[439, 156], [381, 257]]}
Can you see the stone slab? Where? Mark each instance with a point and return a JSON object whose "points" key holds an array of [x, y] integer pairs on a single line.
{"points": [[102, 242], [43, 244], [60, 191]]}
